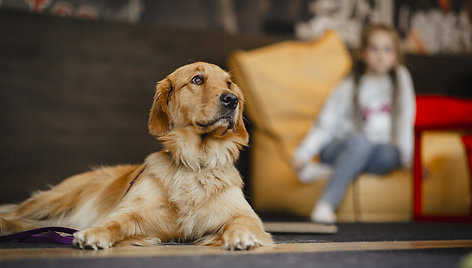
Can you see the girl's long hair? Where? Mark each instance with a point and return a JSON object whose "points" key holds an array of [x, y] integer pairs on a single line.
{"points": [[359, 67]]}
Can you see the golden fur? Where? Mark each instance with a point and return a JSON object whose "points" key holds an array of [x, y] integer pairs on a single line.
{"points": [[190, 191]]}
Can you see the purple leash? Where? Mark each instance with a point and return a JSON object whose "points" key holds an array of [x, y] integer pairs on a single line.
{"points": [[42, 235]]}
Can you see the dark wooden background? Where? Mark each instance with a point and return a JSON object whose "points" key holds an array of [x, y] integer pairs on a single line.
{"points": [[75, 94]]}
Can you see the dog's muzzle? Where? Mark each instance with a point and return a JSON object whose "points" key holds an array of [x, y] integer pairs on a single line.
{"points": [[226, 118]]}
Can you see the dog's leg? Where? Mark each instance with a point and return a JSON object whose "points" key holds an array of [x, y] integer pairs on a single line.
{"points": [[147, 224], [113, 228], [142, 212], [244, 232]]}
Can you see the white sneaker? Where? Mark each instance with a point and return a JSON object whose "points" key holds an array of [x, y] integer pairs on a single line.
{"points": [[323, 212], [313, 172]]}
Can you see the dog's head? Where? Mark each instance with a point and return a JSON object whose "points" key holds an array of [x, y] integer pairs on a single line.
{"points": [[201, 95]]}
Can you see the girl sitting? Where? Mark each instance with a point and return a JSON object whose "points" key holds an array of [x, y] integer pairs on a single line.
{"points": [[366, 124]]}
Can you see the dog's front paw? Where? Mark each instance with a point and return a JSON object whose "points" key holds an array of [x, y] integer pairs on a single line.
{"points": [[92, 238], [240, 239]]}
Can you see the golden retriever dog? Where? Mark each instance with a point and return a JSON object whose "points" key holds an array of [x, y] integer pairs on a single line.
{"points": [[189, 191]]}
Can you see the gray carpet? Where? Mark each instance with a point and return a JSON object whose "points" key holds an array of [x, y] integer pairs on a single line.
{"points": [[348, 232], [414, 231]]}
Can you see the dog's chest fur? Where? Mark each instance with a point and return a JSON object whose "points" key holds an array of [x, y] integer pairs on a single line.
{"points": [[196, 194]]}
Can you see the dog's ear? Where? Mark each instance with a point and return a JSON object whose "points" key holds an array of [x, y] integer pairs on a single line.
{"points": [[159, 118], [240, 128]]}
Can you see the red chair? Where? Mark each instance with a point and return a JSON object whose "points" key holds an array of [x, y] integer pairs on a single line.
{"points": [[439, 113]]}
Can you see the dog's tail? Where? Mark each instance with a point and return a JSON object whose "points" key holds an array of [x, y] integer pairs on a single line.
{"points": [[7, 209]]}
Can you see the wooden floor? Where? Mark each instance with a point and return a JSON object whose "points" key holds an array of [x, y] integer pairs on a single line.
{"points": [[189, 250]]}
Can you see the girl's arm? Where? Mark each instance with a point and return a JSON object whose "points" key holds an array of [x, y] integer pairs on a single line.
{"points": [[328, 122], [405, 120]]}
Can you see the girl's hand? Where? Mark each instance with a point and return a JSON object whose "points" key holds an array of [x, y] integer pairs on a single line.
{"points": [[298, 165]]}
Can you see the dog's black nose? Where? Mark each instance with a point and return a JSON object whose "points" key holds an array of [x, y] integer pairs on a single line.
{"points": [[229, 100]]}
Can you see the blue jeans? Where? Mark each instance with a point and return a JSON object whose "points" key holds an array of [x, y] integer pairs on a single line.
{"points": [[352, 156]]}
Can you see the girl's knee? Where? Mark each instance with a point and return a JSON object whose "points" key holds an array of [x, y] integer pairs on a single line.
{"points": [[388, 154], [385, 160]]}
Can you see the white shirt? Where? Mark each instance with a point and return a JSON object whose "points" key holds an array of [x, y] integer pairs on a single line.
{"points": [[336, 120]]}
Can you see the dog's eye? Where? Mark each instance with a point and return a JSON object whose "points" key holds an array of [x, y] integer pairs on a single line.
{"points": [[198, 80], [228, 84]]}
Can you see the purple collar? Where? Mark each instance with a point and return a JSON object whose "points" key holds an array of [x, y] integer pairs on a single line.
{"points": [[134, 180]]}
